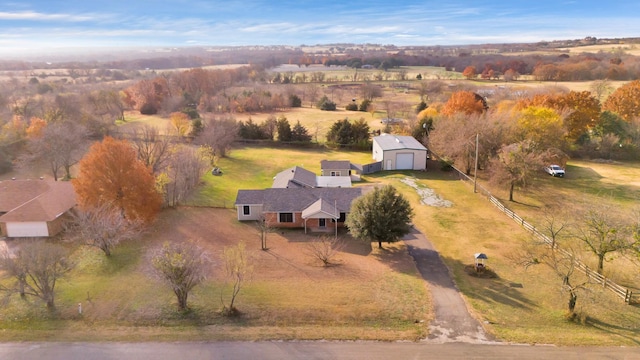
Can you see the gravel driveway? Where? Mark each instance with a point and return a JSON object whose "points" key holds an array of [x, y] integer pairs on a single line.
{"points": [[453, 322]]}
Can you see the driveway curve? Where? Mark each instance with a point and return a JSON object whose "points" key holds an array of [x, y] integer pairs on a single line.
{"points": [[453, 322]]}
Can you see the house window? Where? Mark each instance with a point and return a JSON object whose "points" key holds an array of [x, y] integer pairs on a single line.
{"points": [[342, 218], [322, 222], [286, 217], [335, 173], [246, 210]]}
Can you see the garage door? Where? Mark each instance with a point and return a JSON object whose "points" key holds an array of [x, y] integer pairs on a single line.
{"points": [[404, 161], [27, 229]]}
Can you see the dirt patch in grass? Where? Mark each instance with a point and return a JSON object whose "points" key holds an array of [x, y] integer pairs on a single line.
{"points": [[286, 257]]}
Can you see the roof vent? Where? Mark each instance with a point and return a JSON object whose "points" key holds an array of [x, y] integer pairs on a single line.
{"points": [[398, 140]]}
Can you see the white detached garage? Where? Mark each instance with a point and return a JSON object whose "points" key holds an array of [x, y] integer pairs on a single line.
{"points": [[399, 152]]}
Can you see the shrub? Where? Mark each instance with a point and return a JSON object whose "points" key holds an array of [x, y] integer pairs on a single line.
{"points": [[364, 105], [295, 101], [326, 104]]}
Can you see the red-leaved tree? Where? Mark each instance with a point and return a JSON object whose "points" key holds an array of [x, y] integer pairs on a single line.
{"points": [[111, 173]]}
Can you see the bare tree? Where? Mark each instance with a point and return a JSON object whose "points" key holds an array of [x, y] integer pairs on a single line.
{"points": [[264, 228], [371, 91], [182, 174], [37, 266], [103, 227], [182, 266], [553, 226], [238, 271], [219, 134], [325, 249], [60, 146], [604, 230], [153, 149], [563, 263], [312, 91], [601, 89]]}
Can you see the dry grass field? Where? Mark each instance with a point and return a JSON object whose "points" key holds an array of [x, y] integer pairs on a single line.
{"points": [[631, 49]]}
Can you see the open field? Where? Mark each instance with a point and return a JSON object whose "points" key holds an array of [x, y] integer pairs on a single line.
{"points": [[631, 49]]}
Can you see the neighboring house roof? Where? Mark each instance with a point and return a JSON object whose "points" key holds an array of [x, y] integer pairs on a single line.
{"points": [[35, 200], [397, 142], [298, 199], [294, 177]]}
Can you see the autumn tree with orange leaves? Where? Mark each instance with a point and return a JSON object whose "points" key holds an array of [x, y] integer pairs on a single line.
{"points": [[581, 110], [111, 173], [147, 96], [470, 72], [625, 101], [466, 102]]}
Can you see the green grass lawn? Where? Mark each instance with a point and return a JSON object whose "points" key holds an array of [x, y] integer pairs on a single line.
{"points": [[254, 168]]}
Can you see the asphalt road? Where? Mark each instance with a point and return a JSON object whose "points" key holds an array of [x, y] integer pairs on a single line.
{"points": [[303, 350]]}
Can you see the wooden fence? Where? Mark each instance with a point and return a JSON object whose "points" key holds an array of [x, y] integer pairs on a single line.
{"points": [[626, 294]]}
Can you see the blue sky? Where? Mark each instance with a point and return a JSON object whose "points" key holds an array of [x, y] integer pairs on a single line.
{"points": [[55, 24]]}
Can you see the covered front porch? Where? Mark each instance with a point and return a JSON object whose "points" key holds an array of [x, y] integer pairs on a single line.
{"points": [[321, 216]]}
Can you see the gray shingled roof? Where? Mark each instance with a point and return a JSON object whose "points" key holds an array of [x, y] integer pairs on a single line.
{"points": [[397, 142], [294, 177], [297, 199], [335, 164]]}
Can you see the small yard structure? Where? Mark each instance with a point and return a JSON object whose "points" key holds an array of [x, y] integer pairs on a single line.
{"points": [[480, 259], [399, 152], [34, 208], [340, 168]]}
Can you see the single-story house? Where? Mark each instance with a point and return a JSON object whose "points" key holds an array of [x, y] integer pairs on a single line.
{"points": [[399, 152], [308, 208], [297, 177], [34, 208], [340, 168]]}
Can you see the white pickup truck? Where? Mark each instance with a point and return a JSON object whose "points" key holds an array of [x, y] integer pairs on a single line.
{"points": [[554, 170]]}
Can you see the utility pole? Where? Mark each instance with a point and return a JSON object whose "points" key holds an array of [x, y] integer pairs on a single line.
{"points": [[475, 172]]}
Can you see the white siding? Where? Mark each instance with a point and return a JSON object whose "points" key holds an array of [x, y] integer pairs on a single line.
{"points": [[27, 229], [378, 154]]}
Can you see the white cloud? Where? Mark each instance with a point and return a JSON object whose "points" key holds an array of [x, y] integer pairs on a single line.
{"points": [[37, 16]]}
